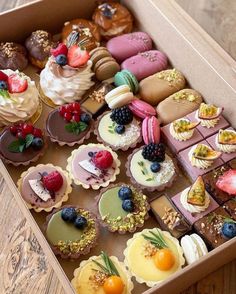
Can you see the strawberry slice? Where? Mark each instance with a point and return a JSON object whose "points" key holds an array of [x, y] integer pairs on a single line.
{"points": [[77, 57], [227, 182], [3, 76], [17, 84], [60, 49]]}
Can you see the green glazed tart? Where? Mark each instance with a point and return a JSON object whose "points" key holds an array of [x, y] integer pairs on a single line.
{"points": [[65, 238], [122, 212]]}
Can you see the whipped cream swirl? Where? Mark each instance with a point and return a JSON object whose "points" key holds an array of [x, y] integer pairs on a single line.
{"points": [[199, 163], [65, 84], [180, 136], [193, 208], [19, 106], [207, 123], [226, 148]]}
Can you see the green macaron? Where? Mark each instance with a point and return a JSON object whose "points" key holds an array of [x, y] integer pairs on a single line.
{"points": [[125, 77]]}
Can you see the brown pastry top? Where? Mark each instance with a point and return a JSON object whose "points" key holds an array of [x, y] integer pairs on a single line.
{"points": [[113, 19], [39, 44], [13, 56], [87, 29]]}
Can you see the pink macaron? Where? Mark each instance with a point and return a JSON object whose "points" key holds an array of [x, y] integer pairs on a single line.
{"points": [[142, 109], [146, 63], [151, 130]]}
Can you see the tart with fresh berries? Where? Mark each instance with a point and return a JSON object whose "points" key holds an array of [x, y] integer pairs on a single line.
{"points": [[150, 167], [118, 129], [71, 231], [69, 124], [21, 144], [153, 255], [44, 187], [93, 166], [122, 208], [102, 274]]}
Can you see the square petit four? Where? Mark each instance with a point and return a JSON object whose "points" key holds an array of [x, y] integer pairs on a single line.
{"points": [[169, 217], [181, 138], [194, 202], [230, 207], [219, 142], [210, 227], [206, 132], [185, 158], [232, 163], [210, 179]]}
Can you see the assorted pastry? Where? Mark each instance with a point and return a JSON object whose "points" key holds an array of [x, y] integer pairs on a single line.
{"points": [[122, 90]]}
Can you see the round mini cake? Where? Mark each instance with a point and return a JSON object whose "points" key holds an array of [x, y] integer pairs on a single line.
{"points": [[71, 231], [44, 187], [153, 255], [122, 208], [94, 276], [19, 97], [69, 125], [119, 135], [93, 166], [22, 144], [150, 168]]}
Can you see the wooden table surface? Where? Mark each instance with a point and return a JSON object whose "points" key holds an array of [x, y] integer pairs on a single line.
{"points": [[24, 267]]}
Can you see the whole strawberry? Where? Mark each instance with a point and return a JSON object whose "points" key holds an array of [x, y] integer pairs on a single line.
{"points": [[53, 181], [103, 159]]}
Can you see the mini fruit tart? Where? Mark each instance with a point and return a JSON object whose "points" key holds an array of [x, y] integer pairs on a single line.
{"points": [[118, 129], [44, 187], [102, 274], [153, 255], [93, 166], [69, 125], [71, 231], [150, 167], [122, 208], [21, 144]]}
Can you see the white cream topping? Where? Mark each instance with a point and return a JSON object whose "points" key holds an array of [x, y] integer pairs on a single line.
{"points": [[183, 136], [20, 106], [226, 148], [144, 175], [199, 163], [208, 123], [109, 135], [190, 207], [65, 84]]}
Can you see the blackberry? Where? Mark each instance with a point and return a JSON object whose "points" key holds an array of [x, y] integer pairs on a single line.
{"points": [[122, 115], [154, 152]]}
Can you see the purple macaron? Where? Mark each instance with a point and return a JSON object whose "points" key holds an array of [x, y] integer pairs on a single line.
{"points": [[125, 46], [146, 63]]}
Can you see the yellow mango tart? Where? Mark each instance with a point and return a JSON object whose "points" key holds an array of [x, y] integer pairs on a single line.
{"points": [[153, 255], [102, 274]]}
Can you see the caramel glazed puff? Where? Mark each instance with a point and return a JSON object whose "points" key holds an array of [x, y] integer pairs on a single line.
{"points": [[13, 56]]}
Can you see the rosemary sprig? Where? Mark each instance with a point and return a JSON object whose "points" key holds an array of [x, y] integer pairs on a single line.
{"points": [[109, 267], [156, 239]]}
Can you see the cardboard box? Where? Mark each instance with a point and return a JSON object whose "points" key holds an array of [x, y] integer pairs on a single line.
{"points": [[208, 69]]}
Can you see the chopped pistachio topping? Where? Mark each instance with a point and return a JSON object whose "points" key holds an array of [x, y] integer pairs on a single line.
{"points": [[183, 95]]}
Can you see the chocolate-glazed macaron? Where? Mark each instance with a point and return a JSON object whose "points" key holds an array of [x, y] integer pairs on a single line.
{"points": [[39, 44], [69, 125], [13, 56]]}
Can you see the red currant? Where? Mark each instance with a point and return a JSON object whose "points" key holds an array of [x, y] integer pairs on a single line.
{"points": [[20, 126], [76, 118], [67, 116], [27, 128], [62, 110], [76, 106], [68, 107], [20, 135], [13, 130], [37, 133]]}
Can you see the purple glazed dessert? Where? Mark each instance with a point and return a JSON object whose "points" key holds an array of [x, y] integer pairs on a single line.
{"points": [[224, 141], [146, 63], [93, 166], [195, 202], [180, 138], [196, 167], [125, 46], [205, 131]]}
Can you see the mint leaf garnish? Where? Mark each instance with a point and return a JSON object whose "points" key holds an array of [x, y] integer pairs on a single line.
{"points": [[76, 127], [14, 146], [28, 140], [4, 93], [21, 144]]}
